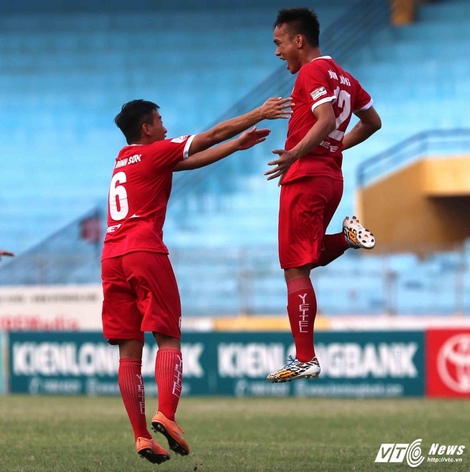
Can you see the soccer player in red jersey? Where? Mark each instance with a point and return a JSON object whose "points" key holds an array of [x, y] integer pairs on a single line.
{"points": [[139, 286], [309, 169]]}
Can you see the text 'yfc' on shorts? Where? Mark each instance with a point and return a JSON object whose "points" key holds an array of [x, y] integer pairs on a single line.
{"points": [[140, 294], [306, 208]]}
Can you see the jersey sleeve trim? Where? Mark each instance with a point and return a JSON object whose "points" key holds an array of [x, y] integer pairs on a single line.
{"points": [[366, 106], [323, 100], [187, 146]]}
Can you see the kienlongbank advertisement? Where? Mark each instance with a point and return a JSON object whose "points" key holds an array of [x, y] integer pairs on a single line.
{"points": [[354, 364]]}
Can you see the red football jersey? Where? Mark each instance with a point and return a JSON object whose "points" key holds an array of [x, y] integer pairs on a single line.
{"points": [[320, 81], [138, 196]]}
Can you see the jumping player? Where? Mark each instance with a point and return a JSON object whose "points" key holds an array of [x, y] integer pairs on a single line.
{"points": [[139, 286], [309, 169]]}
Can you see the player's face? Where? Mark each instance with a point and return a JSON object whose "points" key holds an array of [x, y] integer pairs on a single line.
{"points": [[158, 131], [287, 48]]}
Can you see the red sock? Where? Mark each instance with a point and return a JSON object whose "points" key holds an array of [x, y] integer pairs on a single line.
{"points": [[169, 377], [132, 389], [302, 310]]}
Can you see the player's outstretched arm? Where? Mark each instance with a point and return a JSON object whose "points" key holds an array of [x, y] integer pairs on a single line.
{"points": [[272, 109], [5, 253], [246, 140]]}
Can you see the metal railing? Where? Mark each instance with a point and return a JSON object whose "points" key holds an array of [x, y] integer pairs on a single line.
{"points": [[425, 144], [69, 255], [221, 281]]}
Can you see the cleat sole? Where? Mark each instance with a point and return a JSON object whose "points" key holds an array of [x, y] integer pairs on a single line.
{"points": [[173, 443], [152, 457], [357, 236]]}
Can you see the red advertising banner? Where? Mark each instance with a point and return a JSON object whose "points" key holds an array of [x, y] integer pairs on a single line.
{"points": [[447, 362]]}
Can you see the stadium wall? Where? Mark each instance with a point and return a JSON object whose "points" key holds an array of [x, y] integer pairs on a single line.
{"points": [[426, 203]]}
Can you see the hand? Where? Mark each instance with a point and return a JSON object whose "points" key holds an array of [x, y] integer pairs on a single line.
{"points": [[252, 137], [276, 107], [286, 159]]}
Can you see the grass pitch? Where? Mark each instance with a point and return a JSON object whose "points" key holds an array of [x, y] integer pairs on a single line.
{"points": [[88, 434]]}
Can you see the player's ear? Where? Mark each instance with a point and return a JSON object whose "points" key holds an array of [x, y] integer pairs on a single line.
{"points": [[145, 129]]}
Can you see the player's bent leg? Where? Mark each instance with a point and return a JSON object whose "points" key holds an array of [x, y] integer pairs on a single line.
{"points": [[152, 451], [172, 432], [356, 235], [295, 369]]}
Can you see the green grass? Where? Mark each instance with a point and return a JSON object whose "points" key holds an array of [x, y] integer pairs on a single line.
{"points": [[88, 434]]}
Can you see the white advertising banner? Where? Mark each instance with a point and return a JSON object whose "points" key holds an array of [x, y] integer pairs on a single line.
{"points": [[51, 308]]}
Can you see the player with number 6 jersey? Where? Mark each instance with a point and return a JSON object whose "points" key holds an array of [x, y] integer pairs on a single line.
{"points": [[140, 292], [138, 195]]}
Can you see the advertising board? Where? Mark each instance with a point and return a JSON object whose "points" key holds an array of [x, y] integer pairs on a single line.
{"points": [[357, 364], [51, 308], [448, 363]]}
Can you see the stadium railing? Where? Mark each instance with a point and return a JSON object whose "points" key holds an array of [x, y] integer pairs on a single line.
{"points": [[425, 144]]}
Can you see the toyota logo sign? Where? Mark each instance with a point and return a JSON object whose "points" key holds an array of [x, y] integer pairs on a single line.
{"points": [[453, 363]]}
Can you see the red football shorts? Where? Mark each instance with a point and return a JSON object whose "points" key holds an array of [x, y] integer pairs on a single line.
{"points": [[306, 208], [140, 294]]}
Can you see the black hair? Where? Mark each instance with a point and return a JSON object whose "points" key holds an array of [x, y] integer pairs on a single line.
{"points": [[302, 21], [132, 116]]}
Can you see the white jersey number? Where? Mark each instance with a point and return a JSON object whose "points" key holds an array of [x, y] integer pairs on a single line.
{"points": [[118, 204], [343, 100]]}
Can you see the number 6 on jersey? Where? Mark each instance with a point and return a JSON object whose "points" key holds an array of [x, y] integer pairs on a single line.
{"points": [[118, 205]]}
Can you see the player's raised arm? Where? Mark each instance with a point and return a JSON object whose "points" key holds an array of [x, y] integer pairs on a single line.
{"points": [[272, 109], [246, 140]]}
